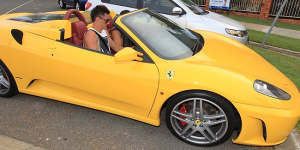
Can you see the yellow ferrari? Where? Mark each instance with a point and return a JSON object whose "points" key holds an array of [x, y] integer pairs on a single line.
{"points": [[209, 84]]}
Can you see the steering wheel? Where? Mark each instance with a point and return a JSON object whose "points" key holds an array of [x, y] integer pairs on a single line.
{"points": [[76, 13]]}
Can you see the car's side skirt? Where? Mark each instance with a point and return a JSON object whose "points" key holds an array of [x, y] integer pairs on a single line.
{"points": [[64, 94]]}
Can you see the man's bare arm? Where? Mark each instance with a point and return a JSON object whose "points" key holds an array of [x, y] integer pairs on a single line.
{"points": [[116, 47], [117, 38], [91, 40]]}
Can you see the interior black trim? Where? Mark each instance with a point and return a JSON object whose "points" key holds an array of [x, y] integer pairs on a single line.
{"points": [[140, 4], [146, 58], [83, 48], [62, 34]]}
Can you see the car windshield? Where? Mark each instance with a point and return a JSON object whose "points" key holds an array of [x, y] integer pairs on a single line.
{"points": [[164, 37], [192, 6]]}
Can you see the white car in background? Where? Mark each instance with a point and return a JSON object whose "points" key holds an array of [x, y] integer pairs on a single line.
{"points": [[183, 12]]}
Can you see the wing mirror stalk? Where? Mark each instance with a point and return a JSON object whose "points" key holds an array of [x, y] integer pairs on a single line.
{"points": [[62, 34], [128, 54]]}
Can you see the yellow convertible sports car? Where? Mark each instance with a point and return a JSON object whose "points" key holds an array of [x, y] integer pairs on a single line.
{"points": [[209, 84]]}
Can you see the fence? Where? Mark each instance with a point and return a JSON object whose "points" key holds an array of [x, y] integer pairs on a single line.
{"points": [[291, 9], [246, 5], [263, 9], [200, 2]]}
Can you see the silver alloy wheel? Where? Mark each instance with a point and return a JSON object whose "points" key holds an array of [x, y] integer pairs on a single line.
{"points": [[201, 121], [4, 81], [77, 6]]}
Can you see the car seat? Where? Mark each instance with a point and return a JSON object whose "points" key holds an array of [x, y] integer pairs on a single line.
{"points": [[78, 28]]}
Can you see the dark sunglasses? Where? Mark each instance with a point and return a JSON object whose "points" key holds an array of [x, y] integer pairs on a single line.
{"points": [[105, 20]]}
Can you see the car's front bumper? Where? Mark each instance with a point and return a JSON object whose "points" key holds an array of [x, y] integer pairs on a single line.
{"points": [[265, 126], [244, 39]]}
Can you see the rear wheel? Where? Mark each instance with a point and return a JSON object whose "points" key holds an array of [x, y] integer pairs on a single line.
{"points": [[202, 119], [8, 85], [61, 4]]}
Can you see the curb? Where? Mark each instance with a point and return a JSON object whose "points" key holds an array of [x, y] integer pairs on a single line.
{"points": [[277, 49], [296, 138], [293, 142], [7, 143]]}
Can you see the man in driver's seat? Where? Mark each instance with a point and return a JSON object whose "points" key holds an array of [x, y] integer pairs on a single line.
{"points": [[94, 39]]}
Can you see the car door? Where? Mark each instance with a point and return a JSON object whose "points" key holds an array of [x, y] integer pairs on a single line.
{"points": [[124, 88], [120, 5], [165, 7]]}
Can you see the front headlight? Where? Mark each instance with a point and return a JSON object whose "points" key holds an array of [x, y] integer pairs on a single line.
{"points": [[270, 90], [238, 33]]}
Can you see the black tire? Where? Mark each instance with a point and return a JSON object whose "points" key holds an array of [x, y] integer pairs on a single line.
{"points": [[181, 100], [12, 90], [61, 4]]}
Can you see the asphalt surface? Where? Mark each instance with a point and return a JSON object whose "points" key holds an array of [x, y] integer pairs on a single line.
{"points": [[60, 126], [34, 6]]}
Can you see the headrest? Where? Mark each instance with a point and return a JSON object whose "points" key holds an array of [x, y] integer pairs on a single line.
{"points": [[77, 13], [79, 28]]}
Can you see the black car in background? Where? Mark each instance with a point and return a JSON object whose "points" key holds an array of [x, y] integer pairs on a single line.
{"points": [[78, 4]]}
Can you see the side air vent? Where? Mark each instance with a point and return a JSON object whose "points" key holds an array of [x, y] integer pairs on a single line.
{"points": [[264, 130], [18, 35]]}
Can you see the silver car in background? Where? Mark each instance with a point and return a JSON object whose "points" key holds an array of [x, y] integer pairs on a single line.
{"points": [[183, 12]]}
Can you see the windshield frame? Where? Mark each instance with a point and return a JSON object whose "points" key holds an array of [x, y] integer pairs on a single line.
{"points": [[186, 33], [193, 7]]}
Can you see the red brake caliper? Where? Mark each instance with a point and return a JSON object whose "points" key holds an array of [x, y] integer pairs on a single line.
{"points": [[5, 76], [183, 110]]}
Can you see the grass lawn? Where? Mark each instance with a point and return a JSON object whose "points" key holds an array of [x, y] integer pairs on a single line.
{"points": [[288, 65], [275, 40], [264, 22]]}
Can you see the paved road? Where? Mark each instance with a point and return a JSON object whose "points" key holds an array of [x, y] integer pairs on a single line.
{"points": [[56, 125], [60, 126], [31, 6]]}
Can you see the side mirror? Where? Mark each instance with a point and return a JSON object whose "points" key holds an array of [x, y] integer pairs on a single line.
{"points": [[176, 11], [128, 54]]}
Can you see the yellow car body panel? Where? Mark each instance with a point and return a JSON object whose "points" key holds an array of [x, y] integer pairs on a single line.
{"points": [[46, 67], [212, 71]]}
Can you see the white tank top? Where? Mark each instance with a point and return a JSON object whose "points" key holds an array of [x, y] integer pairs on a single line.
{"points": [[101, 37]]}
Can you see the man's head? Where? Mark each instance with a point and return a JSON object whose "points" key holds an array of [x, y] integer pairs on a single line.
{"points": [[100, 16]]}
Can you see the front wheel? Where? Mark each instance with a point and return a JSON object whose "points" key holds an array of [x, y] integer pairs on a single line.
{"points": [[8, 85], [202, 119]]}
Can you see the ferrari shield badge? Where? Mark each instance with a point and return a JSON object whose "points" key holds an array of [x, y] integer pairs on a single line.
{"points": [[170, 74]]}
